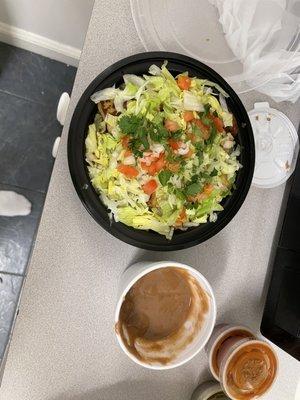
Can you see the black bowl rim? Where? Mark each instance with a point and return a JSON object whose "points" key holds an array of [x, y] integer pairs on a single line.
{"points": [[112, 228]]}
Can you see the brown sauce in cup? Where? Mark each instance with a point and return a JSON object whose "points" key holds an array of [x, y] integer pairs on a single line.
{"points": [[161, 314], [251, 371]]}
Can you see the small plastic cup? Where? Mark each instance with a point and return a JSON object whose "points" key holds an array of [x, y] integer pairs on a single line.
{"points": [[215, 346], [137, 271], [248, 369]]}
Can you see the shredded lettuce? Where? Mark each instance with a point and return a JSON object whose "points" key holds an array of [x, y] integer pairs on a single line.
{"points": [[133, 79], [154, 70], [91, 140], [104, 94], [214, 103], [205, 82], [191, 102], [145, 221]]}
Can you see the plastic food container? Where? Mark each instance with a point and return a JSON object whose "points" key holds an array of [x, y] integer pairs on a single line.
{"points": [[248, 378], [137, 271], [221, 333], [246, 367], [193, 28], [276, 146], [84, 115]]}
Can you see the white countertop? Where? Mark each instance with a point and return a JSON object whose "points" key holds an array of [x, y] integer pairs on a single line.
{"points": [[63, 345]]}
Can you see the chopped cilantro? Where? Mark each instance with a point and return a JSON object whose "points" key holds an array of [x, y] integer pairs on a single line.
{"points": [[158, 133], [195, 178], [205, 176], [179, 194], [192, 189], [213, 134], [172, 157], [214, 172], [206, 120], [196, 130], [191, 206], [164, 177], [136, 128], [177, 134], [206, 108], [129, 124]]}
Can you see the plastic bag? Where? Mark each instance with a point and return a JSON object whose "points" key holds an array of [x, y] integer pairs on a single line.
{"points": [[265, 36]]}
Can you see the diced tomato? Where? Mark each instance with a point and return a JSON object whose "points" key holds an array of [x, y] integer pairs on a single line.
{"points": [[184, 82], [174, 144], [128, 153], [125, 141], [188, 116], [197, 197], [181, 217], [145, 167], [157, 165], [128, 171], [160, 163], [204, 128], [208, 188], [217, 122], [150, 187], [201, 125], [171, 126], [152, 169], [173, 167]]}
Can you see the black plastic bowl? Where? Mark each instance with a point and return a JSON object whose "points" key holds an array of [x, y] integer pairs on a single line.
{"points": [[84, 115]]}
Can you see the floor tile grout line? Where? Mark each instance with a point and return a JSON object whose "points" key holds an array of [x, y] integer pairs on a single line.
{"points": [[22, 97], [12, 273], [25, 188]]}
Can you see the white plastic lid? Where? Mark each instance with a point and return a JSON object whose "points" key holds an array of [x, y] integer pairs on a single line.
{"points": [[192, 27], [276, 146]]}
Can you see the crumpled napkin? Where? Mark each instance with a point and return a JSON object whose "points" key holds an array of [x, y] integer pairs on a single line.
{"points": [[265, 36]]}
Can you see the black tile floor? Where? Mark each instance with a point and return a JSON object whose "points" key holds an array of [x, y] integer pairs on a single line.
{"points": [[30, 87]]}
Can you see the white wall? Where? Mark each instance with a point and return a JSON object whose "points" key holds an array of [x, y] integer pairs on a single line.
{"points": [[62, 23]]}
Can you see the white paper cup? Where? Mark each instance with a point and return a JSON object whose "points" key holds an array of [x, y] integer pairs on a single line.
{"points": [[137, 271]]}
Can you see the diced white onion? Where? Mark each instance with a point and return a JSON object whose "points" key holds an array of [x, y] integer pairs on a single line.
{"points": [[183, 149], [228, 144], [130, 160], [157, 148]]}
